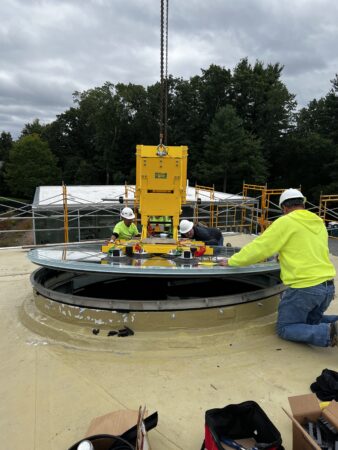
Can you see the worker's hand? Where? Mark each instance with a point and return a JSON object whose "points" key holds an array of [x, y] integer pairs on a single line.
{"points": [[224, 262], [112, 239]]}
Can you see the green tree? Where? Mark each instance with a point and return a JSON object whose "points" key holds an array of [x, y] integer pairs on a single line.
{"points": [[104, 113], [265, 105], [33, 128], [321, 116], [207, 93], [312, 148], [71, 141], [307, 160], [95, 140], [215, 87], [30, 164], [6, 143], [262, 100], [332, 101], [185, 123], [142, 113], [231, 153]]}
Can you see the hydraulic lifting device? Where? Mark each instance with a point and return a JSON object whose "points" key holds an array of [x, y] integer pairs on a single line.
{"points": [[161, 177]]}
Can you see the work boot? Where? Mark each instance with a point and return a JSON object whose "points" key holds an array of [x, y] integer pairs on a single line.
{"points": [[333, 334]]}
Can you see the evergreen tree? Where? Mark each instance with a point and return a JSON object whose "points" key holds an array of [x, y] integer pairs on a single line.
{"points": [[6, 143], [231, 153], [305, 160]]}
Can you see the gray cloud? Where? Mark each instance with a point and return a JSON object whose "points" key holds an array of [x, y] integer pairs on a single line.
{"points": [[50, 48]]}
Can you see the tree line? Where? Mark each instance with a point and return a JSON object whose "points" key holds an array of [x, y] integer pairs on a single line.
{"points": [[239, 125]]}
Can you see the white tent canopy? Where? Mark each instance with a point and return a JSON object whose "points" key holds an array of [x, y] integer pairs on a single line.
{"points": [[107, 195]]}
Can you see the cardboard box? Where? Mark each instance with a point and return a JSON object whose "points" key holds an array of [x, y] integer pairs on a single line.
{"points": [[306, 408], [116, 423]]}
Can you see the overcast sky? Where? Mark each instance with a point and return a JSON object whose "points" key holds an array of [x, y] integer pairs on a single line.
{"points": [[51, 48]]}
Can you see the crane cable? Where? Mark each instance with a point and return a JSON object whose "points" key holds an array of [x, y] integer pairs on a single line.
{"points": [[164, 75], [166, 78]]}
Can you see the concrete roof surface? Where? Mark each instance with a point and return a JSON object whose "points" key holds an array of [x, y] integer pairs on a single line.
{"points": [[51, 388]]}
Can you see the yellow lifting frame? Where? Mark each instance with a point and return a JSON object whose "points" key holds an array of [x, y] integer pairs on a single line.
{"points": [[161, 178]]}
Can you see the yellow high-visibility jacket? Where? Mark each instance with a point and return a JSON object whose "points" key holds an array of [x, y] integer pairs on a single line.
{"points": [[123, 232], [301, 240]]}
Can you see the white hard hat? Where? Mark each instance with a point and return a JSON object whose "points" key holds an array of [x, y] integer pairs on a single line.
{"points": [[127, 213], [185, 226], [290, 193]]}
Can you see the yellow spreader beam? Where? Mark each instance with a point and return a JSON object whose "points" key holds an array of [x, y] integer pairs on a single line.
{"points": [[158, 246]]}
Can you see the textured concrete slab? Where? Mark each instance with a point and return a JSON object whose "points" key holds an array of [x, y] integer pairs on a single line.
{"points": [[51, 389]]}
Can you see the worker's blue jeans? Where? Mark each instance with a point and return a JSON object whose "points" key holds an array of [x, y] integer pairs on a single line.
{"points": [[301, 314]]}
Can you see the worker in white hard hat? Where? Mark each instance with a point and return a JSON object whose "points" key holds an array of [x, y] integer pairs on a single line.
{"points": [[125, 229], [208, 235], [301, 240]]}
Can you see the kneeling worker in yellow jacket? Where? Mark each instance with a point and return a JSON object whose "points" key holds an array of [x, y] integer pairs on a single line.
{"points": [[300, 237]]}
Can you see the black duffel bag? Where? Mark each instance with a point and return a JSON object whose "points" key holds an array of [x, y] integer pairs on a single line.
{"points": [[245, 420]]}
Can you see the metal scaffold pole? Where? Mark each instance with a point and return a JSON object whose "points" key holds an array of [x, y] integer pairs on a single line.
{"points": [[65, 213]]}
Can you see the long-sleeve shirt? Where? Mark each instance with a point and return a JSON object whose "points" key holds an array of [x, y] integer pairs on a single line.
{"points": [[210, 236], [301, 240]]}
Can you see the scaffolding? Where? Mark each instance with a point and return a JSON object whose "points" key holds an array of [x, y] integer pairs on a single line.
{"points": [[65, 213], [67, 217], [129, 195], [326, 213], [269, 210], [329, 214], [226, 215], [63, 218], [210, 191], [16, 224]]}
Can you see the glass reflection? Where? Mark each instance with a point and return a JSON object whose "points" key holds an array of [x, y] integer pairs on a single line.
{"points": [[90, 258]]}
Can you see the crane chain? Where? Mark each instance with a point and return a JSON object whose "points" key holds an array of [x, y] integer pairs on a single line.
{"points": [[166, 79], [164, 73]]}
